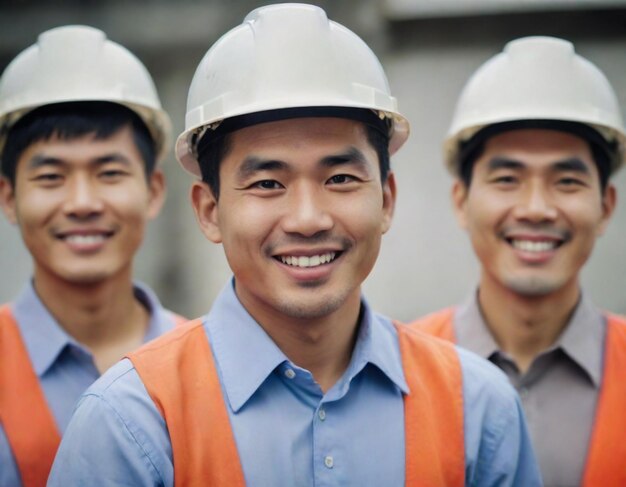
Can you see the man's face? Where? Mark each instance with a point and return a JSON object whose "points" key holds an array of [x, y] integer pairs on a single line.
{"points": [[82, 205], [533, 210], [301, 214]]}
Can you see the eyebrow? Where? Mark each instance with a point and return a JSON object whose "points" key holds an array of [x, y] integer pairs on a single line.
{"points": [[504, 163], [42, 160], [572, 164], [253, 164], [352, 156], [38, 161]]}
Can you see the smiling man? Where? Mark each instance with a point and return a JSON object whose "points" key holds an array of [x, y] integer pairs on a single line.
{"points": [[82, 129], [291, 379], [535, 138]]}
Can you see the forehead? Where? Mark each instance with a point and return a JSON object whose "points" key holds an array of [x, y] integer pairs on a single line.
{"points": [[537, 145], [82, 149], [299, 133]]}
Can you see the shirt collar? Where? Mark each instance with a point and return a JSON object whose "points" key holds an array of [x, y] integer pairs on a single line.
{"points": [[471, 330], [235, 336], [377, 344], [42, 335], [45, 339], [582, 340]]}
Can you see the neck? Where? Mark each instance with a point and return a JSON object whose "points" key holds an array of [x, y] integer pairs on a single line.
{"points": [[321, 345], [105, 317], [525, 326]]}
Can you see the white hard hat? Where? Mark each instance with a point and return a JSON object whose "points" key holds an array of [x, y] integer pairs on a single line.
{"points": [[78, 63], [536, 79], [285, 56]]}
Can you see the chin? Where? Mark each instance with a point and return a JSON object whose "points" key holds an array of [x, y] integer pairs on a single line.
{"points": [[533, 287], [86, 278], [308, 311]]}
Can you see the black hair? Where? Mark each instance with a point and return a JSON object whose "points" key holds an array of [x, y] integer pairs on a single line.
{"points": [[72, 120], [603, 152], [215, 144]]}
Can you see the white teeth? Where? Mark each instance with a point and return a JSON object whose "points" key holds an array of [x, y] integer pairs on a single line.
{"points": [[534, 246], [84, 239], [304, 261]]}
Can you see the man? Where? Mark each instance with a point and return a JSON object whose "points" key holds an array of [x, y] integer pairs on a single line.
{"points": [[536, 135], [82, 128], [291, 379]]}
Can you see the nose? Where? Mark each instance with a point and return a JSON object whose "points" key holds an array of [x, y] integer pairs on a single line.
{"points": [[82, 200], [306, 211], [536, 204]]}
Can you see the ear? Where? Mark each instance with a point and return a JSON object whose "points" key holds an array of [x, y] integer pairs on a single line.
{"points": [[7, 199], [459, 202], [158, 190], [609, 201], [206, 209], [389, 201]]}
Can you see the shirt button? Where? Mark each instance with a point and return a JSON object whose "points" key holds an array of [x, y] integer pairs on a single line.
{"points": [[329, 462], [523, 392], [322, 414], [290, 374]]}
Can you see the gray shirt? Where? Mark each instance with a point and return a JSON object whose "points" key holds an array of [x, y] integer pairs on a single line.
{"points": [[559, 391]]}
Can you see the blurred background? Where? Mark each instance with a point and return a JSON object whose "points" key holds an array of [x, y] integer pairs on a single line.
{"points": [[428, 47]]}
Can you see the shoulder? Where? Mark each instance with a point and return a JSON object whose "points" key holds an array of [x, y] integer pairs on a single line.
{"points": [[616, 320], [438, 323], [494, 421], [115, 432], [177, 336], [5, 312], [616, 332], [120, 379], [484, 384], [436, 317], [120, 393], [177, 319], [119, 401]]}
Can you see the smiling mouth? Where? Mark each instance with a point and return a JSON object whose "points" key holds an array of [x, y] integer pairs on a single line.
{"points": [[306, 261], [85, 239], [534, 245]]}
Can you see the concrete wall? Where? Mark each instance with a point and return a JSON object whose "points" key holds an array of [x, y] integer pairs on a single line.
{"points": [[426, 261]]}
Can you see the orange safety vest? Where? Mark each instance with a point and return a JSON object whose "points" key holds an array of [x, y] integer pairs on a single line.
{"points": [[24, 413], [26, 419], [179, 369], [606, 459]]}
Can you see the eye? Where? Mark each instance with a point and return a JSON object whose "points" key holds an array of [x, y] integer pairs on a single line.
{"points": [[504, 180], [342, 179], [112, 173], [48, 179], [571, 182], [267, 184]]}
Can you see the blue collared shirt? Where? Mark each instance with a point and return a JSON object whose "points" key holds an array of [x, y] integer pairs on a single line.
{"points": [[64, 367], [287, 431]]}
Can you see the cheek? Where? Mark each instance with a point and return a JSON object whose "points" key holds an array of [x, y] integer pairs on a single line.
{"points": [[131, 202], [480, 214], [245, 223], [36, 207], [584, 212], [366, 222]]}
